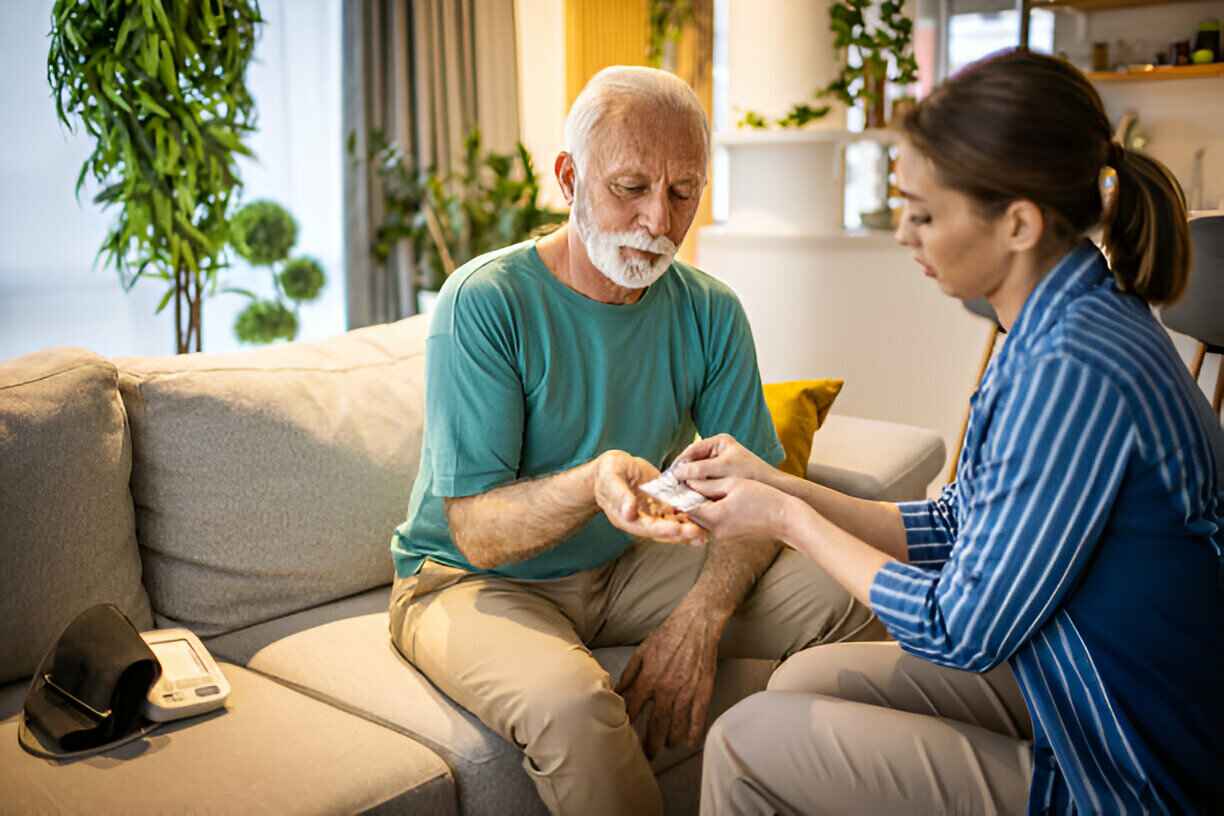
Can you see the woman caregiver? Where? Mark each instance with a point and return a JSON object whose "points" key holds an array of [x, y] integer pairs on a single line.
{"points": [[1059, 610]]}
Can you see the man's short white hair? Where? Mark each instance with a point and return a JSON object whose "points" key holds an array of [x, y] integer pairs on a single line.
{"points": [[615, 87]]}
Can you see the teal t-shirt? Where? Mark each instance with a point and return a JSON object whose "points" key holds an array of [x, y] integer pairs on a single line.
{"points": [[526, 377]]}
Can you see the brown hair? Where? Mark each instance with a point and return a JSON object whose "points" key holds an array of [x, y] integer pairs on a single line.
{"points": [[1020, 125]]}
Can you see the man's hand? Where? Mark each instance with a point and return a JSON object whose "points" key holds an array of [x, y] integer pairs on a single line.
{"points": [[617, 478], [675, 667]]}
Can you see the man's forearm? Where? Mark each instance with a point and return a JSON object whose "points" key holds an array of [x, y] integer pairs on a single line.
{"points": [[523, 519], [731, 568]]}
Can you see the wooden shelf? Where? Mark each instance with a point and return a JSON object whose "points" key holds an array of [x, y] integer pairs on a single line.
{"points": [[1101, 5], [1160, 72]]}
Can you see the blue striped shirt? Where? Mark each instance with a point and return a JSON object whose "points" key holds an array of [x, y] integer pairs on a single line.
{"points": [[1083, 544]]}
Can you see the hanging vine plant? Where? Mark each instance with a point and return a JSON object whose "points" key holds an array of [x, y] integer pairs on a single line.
{"points": [[160, 85]]}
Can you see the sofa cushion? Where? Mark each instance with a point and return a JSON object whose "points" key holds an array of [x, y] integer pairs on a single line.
{"points": [[342, 653], [878, 460], [67, 534], [798, 408], [271, 750], [270, 481]]}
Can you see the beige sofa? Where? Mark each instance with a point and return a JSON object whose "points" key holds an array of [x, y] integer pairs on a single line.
{"points": [[251, 498]]}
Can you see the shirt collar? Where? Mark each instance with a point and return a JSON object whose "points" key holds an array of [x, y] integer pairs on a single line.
{"points": [[1080, 270]]}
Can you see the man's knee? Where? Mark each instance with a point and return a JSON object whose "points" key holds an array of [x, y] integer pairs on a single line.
{"points": [[573, 700], [805, 606]]}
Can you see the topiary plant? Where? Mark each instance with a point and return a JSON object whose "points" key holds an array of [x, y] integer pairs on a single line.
{"points": [[266, 321], [263, 232], [160, 85], [302, 279]]}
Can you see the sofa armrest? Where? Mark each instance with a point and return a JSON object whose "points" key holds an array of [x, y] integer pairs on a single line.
{"points": [[873, 459]]}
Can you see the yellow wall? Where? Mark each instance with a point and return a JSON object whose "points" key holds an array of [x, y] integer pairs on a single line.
{"points": [[599, 33]]}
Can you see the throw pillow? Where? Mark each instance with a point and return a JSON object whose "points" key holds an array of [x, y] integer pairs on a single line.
{"points": [[798, 409]]}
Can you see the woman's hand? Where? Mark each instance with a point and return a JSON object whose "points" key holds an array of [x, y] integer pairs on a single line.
{"points": [[742, 508], [721, 457], [618, 475]]}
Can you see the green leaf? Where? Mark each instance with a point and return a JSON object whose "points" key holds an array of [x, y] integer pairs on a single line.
{"points": [[165, 300], [129, 22], [169, 76], [150, 104]]}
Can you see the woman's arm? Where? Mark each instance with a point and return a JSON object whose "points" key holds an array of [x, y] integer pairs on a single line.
{"points": [[877, 522], [851, 561], [721, 457], [1044, 486], [1045, 483]]}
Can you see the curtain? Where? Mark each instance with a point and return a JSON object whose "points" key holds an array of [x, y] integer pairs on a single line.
{"points": [[424, 72]]}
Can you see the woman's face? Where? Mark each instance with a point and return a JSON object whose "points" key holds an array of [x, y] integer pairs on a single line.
{"points": [[948, 238]]}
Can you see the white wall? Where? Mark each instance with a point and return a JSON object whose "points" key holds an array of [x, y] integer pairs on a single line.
{"points": [[540, 30], [1177, 116], [854, 307], [50, 294]]}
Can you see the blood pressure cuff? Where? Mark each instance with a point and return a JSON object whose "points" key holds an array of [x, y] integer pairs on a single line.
{"points": [[89, 690]]}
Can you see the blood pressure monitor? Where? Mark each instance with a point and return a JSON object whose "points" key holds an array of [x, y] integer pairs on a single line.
{"points": [[190, 682]]}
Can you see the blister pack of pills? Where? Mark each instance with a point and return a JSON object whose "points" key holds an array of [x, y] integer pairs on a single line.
{"points": [[667, 488]]}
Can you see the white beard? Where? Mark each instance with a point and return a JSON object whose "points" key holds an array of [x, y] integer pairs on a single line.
{"points": [[604, 250]]}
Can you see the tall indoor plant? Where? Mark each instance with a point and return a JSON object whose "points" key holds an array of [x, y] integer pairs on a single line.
{"points": [[160, 85], [490, 201]]}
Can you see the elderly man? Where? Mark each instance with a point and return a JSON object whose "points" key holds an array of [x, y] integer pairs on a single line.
{"points": [[561, 374]]}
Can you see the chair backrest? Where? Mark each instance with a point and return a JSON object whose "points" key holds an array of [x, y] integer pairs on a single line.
{"points": [[1200, 312], [982, 308]]}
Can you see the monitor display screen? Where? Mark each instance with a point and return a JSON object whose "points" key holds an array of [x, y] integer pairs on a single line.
{"points": [[179, 660]]}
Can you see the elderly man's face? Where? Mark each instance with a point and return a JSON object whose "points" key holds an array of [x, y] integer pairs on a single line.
{"points": [[638, 193]]}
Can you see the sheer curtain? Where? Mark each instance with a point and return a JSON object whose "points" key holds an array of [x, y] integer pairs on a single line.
{"points": [[424, 72]]}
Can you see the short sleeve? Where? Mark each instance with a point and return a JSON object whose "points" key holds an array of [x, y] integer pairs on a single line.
{"points": [[731, 399], [474, 400]]}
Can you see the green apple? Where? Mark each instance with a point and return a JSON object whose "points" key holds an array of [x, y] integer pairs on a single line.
{"points": [[1202, 56]]}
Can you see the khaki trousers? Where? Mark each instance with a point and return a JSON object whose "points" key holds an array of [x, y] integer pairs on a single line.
{"points": [[867, 728], [516, 654]]}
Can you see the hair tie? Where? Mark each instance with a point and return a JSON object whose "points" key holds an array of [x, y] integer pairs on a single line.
{"points": [[1107, 181]]}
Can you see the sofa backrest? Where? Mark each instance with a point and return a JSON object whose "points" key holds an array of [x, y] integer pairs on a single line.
{"points": [[270, 481], [67, 532]]}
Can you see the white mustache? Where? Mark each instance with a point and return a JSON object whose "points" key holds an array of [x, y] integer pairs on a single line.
{"points": [[639, 239]]}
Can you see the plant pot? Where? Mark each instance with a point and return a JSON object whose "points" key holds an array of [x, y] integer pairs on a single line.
{"points": [[875, 74]]}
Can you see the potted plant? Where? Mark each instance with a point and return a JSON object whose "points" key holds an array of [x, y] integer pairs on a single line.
{"points": [[160, 86], [490, 202], [874, 45], [264, 233]]}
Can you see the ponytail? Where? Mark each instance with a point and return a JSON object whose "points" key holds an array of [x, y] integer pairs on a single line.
{"points": [[1020, 125], [1147, 237]]}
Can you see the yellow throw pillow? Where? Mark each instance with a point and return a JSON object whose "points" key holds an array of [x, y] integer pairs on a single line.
{"points": [[798, 409]]}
